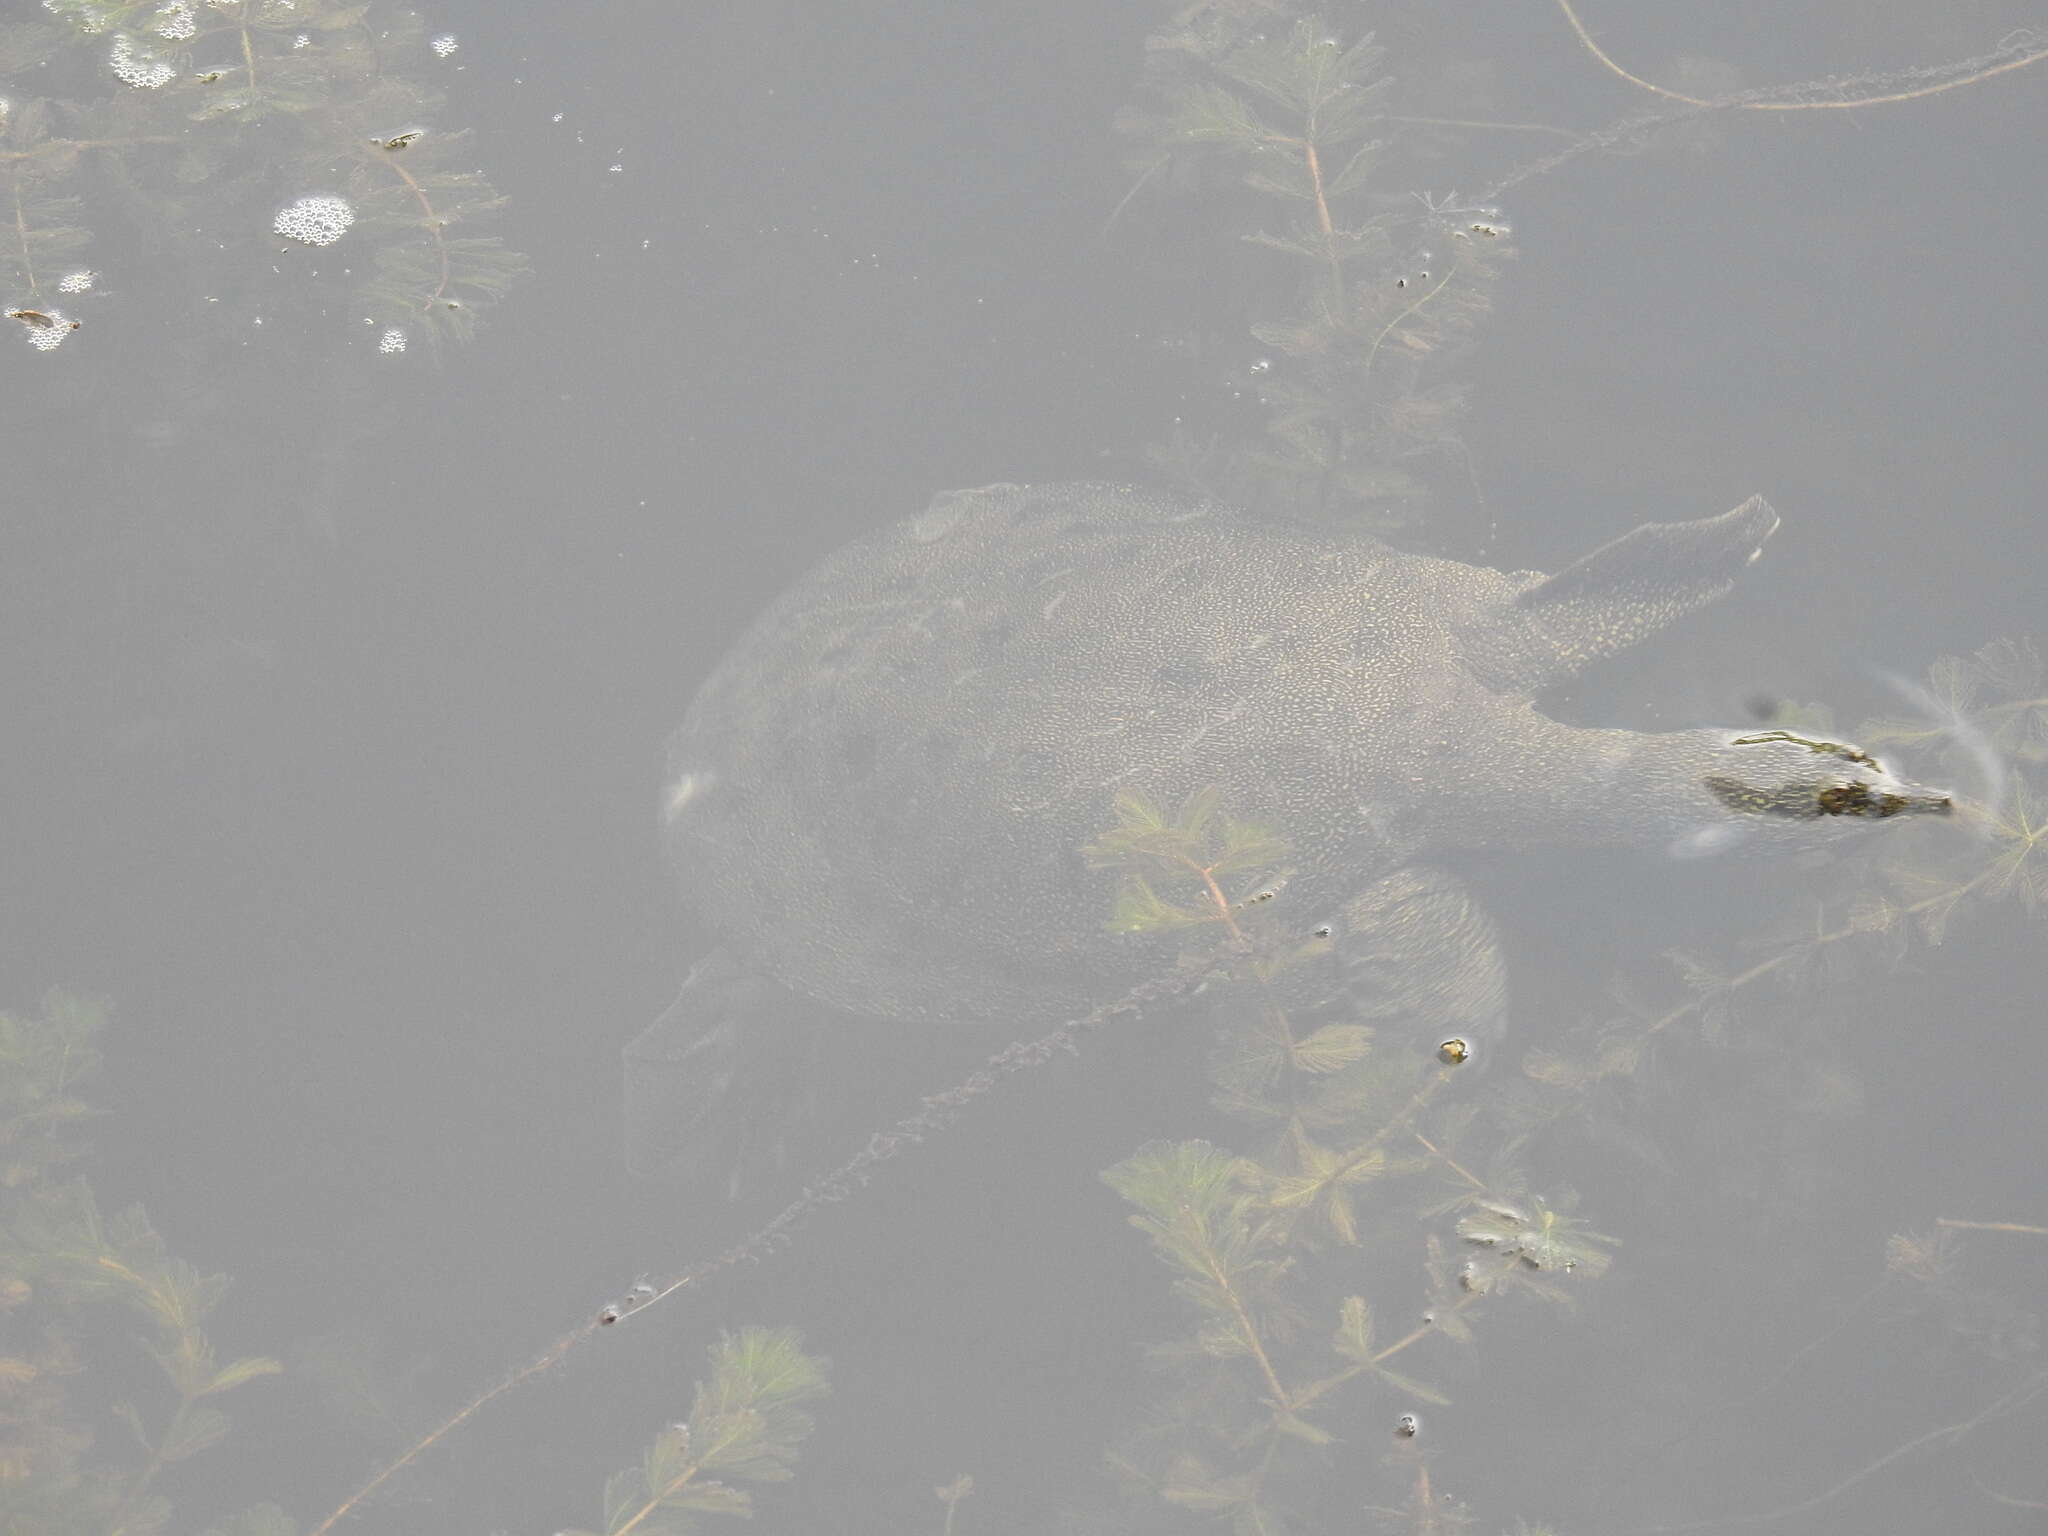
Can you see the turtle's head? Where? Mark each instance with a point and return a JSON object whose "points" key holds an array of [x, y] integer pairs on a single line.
{"points": [[1786, 791]]}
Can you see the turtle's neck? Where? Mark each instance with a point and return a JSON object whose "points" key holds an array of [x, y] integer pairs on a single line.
{"points": [[1518, 779], [1531, 783]]}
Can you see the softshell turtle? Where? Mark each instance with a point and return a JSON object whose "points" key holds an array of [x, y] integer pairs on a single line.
{"points": [[881, 797]]}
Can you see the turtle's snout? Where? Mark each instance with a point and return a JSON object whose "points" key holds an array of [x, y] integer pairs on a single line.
{"points": [[1780, 775], [1878, 794]]}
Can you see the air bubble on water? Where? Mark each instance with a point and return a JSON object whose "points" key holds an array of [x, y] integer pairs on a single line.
{"points": [[86, 21], [316, 220], [444, 45], [303, 40], [393, 340], [77, 282], [1261, 365], [1408, 1426], [175, 21], [137, 66]]}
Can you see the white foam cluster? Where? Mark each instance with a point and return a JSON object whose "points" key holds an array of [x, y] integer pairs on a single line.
{"points": [[176, 21], [319, 220], [93, 20], [444, 45], [48, 334], [77, 282], [393, 340], [136, 66]]}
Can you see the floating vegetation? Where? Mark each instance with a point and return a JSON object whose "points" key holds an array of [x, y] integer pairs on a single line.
{"points": [[218, 129]]}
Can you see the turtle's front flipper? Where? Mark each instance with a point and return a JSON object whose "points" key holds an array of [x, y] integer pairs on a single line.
{"points": [[1413, 955], [715, 1087], [1418, 953], [743, 1084], [1616, 596]]}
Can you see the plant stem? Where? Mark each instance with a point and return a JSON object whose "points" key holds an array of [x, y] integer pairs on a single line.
{"points": [[1828, 936], [1451, 1162], [1248, 1331], [28, 267], [431, 221], [150, 1468], [675, 1483], [48, 146]]}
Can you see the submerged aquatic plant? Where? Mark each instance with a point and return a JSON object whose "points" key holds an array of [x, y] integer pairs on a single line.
{"points": [[236, 138], [64, 1264], [1984, 719], [1358, 1154], [1198, 847], [747, 1422], [1285, 1357], [1364, 1152], [1361, 313]]}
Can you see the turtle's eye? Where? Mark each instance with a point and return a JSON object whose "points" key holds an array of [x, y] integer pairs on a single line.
{"points": [[1837, 800]]}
